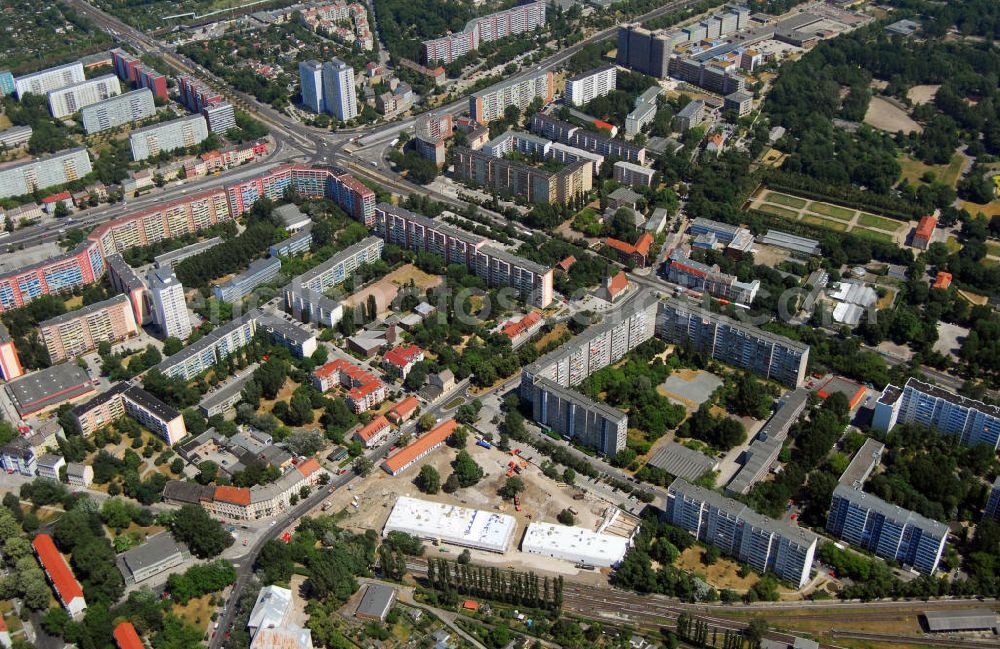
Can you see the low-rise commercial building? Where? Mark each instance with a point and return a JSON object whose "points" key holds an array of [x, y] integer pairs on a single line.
{"points": [[409, 455], [576, 544], [461, 526], [376, 602], [158, 554], [46, 389]]}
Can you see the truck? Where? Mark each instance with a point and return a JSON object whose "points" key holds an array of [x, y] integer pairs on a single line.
{"points": [[482, 442]]}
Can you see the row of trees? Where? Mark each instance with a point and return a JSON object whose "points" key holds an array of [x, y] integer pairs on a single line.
{"points": [[511, 587]]}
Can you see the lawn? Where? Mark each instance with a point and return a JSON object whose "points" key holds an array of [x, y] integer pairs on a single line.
{"points": [[873, 234], [947, 174], [832, 211], [872, 221], [779, 211], [993, 248], [989, 209], [785, 199], [825, 223], [721, 574], [197, 612], [953, 245], [454, 403]]}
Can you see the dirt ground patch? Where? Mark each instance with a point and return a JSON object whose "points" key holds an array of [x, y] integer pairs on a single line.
{"points": [[886, 116], [922, 94], [385, 289], [557, 331], [721, 574], [197, 612]]}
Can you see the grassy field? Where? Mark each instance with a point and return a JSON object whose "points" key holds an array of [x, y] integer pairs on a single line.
{"points": [[993, 248], [824, 223], [952, 244], [872, 221], [783, 212], [833, 211], [873, 234], [785, 199], [947, 174], [989, 209]]}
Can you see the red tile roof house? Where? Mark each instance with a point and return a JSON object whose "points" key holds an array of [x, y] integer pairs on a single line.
{"points": [[403, 410], [633, 254], [374, 433], [400, 360], [127, 638], [66, 586]]}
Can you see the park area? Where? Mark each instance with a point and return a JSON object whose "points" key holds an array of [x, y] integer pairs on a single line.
{"points": [[829, 216]]}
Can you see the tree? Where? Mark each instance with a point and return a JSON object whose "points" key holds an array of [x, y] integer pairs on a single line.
{"points": [[459, 438], [205, 536], [426, 422], [116, 514], [429, 480], [466, 471], [208, 471], [566, 517], [465, 557], [513, 486], [569, 476], [362, 466], [172, 345], [305, 442], [755, 631]]}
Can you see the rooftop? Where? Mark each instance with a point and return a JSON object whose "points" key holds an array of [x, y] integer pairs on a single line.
{"points": [[65, 584], [451, 524], [866, 459], [421, 445], [514, 260], [338, 258], [69, 316], [376, 601], [968, 619], [49, 387], [899, 515], [271, 608], [126, 637], [589, 547], [156, 548], [198, 347], [682, 462], [125, 272], [791, 242]]}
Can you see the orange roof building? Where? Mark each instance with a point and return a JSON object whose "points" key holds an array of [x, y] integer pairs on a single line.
{"points": [[636, 253], [235, 495], [526, 325], [309, 467], [374, 432], [127, 638], [943, 280], [565, 264], [853, 391], [403, 410], [924, 232], [423, 445], [400, 360], [364, 389], [470, 605], [66, 586]]}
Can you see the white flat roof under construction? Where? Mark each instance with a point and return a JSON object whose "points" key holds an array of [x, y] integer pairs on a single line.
{"points": [[472, 528], [574, 544]]}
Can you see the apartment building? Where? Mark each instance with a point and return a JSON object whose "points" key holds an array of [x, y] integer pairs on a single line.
{"points": [[703, 278], [220, 116], [364, 390], [67, 100], [763, 543], [571, 414], [163, 221], [581, 138], [77, 268], [745, 346], [340, 267], [339, 94], [10, 362], [692, 115], [398, 361], [283, 331], [75, 333], [41, 82], [596, 347], [374, 433], [511, 141], [886, 530], [589, 85], [15, 136], [67, 588], [488, 105], [353, 196], [131, 70], [17, 456], [516, 20], [215, 347], [296, 244], [740, 102], [628, 173], [311, 82], [178, 133], [195, 94], [312, 306], [406, 229], [115, 111], [19, 178], [632, 254], [970, 421], [307, 182], [993, 504], [125, 398], [260, 271], [169, 309], [430, 132], [513, 178], [763, 451]]}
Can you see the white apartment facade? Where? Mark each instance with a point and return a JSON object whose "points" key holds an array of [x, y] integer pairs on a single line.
{"points": [[169, 308]]}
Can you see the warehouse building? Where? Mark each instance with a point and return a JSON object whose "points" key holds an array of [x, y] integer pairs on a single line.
{"points": [[966, 619], [462, 526], [576, 544]]}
